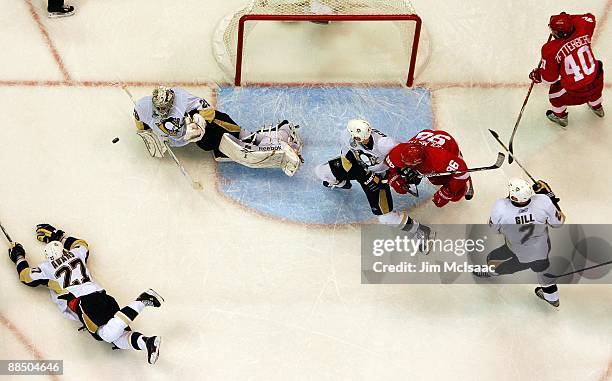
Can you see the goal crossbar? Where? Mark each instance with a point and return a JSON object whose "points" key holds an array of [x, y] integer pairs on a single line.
{"points": [[319, 17]]}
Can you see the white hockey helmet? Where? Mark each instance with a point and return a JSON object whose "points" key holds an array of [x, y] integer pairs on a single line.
{"points": [[54, 250], [163, 99], [519, 190], [359, 129]]}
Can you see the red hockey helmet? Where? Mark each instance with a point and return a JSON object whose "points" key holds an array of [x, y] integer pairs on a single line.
{"points": [[561, 25], [412, 154]]}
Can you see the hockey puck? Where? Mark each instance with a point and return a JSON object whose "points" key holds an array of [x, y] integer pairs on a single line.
{"points": [[115, 140]]}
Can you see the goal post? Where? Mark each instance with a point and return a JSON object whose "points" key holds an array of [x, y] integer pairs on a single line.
{"points": [[231, 40]]}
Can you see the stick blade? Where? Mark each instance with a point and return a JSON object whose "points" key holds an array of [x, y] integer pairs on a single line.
{"points": [[500, 159], [495, 134]]}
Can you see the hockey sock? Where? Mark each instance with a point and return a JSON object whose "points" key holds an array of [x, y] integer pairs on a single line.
{"points": [[132, 310]]}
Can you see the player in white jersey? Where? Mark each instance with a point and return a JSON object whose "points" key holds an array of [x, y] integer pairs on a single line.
{"points": [[79, 297], [363, 160], [524, 219], [175, 117]]}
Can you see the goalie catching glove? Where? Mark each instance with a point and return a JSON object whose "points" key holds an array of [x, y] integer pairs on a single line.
{"points": [[47, 233]]}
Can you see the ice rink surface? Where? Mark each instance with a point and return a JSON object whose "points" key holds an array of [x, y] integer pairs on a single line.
{"points": [[251, 296]]}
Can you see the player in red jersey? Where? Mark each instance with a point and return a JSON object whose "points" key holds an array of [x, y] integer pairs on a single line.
{"points": [[568, 64], [429, 152]]}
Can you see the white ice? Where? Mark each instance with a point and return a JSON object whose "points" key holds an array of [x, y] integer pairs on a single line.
{"points": [[249, 297]]}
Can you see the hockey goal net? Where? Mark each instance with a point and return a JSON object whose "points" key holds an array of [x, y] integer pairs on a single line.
{"points": [[346, 41]]}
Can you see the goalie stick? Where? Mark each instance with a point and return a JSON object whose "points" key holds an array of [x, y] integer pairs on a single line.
{"points": [[510, 145], [549, 275], [194, 184]]}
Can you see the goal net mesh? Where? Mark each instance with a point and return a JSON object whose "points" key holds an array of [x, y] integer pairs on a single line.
{"points": [[382, 47]]}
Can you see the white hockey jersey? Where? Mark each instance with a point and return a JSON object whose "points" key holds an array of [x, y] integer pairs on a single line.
{"points": [[172, 128], [525, 229], [372, 157], [67, 274]]}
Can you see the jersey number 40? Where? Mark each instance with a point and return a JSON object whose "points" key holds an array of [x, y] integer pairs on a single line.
{"points": [[585, 64]]}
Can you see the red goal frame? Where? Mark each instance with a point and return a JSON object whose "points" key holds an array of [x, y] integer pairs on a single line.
{"points": [[268, 17]]}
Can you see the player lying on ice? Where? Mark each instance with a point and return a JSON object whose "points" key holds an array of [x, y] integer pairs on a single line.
{"points": [[79, 298], [363, 160], [523, 218], [570, 67], [428, 153], [175, 117]]}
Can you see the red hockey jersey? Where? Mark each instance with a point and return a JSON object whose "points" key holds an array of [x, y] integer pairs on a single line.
{"points": [[441, 154], [571, 58]]}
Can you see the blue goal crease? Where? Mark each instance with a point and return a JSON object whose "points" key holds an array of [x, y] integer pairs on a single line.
{"points": [[322, 113]]}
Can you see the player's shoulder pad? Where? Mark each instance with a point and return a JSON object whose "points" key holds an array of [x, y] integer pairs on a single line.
{"points": [[542, 201], [499, 206]]}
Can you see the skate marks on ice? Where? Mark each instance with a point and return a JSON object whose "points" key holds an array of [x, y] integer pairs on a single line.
{"points": [[322, 112]]}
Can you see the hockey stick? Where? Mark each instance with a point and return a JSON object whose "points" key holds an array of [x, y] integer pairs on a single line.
{"points": [[511, 144], [498, 163], [8, 237], [194, 184], [496, 136], [549, 275]]}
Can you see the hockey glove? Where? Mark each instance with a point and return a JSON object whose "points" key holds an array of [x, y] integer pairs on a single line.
{"points": [[398, 182], [541, 187], [535, 75], [373, 182], [412, 176], [47, 233], [440, 198], [16, 251]]}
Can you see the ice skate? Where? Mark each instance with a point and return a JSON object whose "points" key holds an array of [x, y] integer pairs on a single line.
{"points": [[554, 118], [539, 291], [150, 298], [65, 11], [153, 343], [345, 184], [598, 111]]}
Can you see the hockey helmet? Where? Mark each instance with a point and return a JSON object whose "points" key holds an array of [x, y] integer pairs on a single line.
{"points": [[359, 129], [519, 190], [163, 99], [54, 250], [412, 154], [561, 25]]}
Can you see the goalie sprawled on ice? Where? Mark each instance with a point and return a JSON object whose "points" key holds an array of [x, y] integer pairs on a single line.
{"points": [[172, 117]]}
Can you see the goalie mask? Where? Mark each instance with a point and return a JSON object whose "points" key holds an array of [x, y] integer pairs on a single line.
{"points": [[54, 250], [359, 129], [519, 191], [163, 99]]}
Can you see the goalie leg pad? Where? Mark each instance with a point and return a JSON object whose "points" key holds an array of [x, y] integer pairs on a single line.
{"points": [[272, 156], [154, 145]]}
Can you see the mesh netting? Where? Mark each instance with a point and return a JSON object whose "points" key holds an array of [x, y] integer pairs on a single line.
{"points": [[340, 7], [226, 36]]}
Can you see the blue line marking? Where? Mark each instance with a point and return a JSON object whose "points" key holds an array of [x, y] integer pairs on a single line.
{"points": [[322, 113]]}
